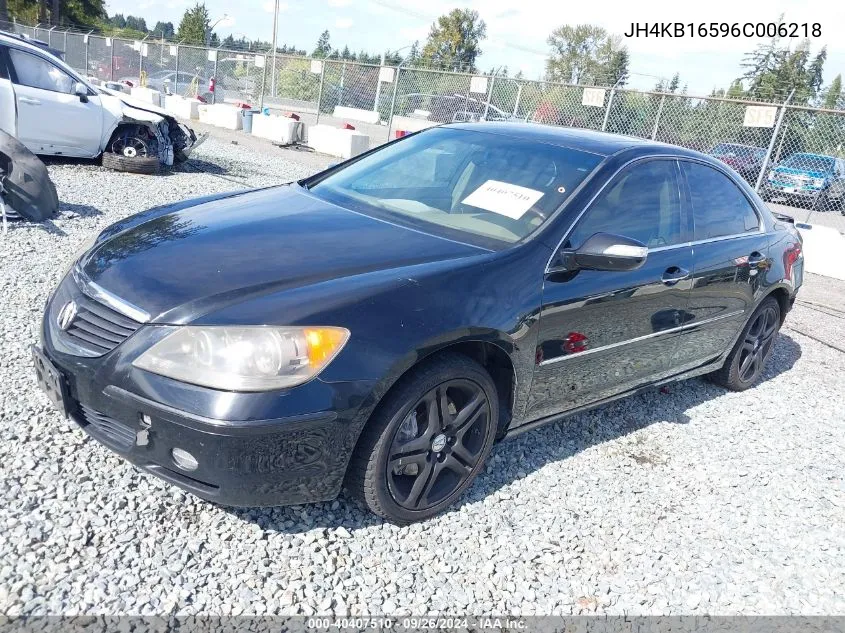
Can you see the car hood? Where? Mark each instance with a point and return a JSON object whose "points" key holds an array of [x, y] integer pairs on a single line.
{"points": [[181, 264], [114, 96]]}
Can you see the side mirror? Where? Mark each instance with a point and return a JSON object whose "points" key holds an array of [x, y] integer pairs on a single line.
{"points": [[81, 91], [605, 251]]}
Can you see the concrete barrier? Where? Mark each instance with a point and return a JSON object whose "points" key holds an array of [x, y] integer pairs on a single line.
{"points": [[221, 115], [146, 94], [337, 142], [278, 129], [182, 107], [356, 114], [411, 124], [823, 248]]}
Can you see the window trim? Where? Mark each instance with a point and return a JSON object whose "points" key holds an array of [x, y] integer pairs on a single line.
{"points": [[614, 179], [761, 224]]}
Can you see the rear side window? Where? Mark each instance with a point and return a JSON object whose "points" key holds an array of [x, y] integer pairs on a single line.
{"points": [[35, 72], [642, 203], [719, 208]]}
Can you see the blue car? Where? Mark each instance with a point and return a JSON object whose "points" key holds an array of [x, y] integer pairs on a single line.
{"points": [[814, 179]]}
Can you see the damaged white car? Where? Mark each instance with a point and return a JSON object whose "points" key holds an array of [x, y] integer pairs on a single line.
{"points": [[53, 111]]}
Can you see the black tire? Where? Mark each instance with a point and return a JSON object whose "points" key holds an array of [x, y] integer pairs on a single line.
{"points": [[433, 461], [747, 360], [134, 165]]}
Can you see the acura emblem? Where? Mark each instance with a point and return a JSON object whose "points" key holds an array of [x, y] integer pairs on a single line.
{"points": [[66, 315]]}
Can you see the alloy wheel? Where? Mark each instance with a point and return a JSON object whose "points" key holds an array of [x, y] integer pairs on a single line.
{"points": [[130, 147], [758, 343], [438, 444]]}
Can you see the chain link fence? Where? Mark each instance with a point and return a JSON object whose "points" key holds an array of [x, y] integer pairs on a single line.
{"points": [[793, 155]]}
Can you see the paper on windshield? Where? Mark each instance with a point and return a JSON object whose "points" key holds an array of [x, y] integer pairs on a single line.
{"points": [[503, 198]]}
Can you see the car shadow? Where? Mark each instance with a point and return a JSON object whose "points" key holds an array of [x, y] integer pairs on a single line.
{"points": [[193, 165], [547, 444], [70, 210]]}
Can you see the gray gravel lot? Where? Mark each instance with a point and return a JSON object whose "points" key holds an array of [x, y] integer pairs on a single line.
{"points": [[683, 500]]}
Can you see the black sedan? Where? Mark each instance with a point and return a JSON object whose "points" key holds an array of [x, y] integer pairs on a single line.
{"points": [[380, 324]]}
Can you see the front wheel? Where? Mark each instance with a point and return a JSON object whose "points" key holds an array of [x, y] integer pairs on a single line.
{"points": [[427, 441], [747, 360]]}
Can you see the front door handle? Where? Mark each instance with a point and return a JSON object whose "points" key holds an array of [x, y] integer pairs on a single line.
{"points": [[29, 101], [674, 274]]}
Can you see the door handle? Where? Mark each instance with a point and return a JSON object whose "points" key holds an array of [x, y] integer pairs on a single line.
{"points": [[29, 101], [756, 258], [674, 274]]}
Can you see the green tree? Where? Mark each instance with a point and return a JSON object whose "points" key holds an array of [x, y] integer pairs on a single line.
{"points": [[195, 25], [136, 24], [165, 30], [4, 11], [833, 94], [118, 21], [585, 53], [454, 40], [324, 47]]}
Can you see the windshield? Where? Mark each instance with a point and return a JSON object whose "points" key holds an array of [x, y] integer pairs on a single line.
{"points": [[809, 162], [476, 183]]}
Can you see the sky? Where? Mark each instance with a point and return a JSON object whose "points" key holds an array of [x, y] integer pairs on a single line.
{"points": [[517, 31]]}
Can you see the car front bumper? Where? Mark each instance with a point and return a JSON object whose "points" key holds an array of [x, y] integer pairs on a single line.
{"points": [[263, 449]]}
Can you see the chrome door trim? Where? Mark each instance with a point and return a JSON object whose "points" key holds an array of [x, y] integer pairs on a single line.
{"points": [[644, 337]]}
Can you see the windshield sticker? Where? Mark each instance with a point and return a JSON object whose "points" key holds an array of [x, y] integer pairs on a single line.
{"points": [[503, 198]]}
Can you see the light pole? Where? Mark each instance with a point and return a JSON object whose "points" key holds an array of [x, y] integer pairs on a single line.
{"points": [[211, 29]]}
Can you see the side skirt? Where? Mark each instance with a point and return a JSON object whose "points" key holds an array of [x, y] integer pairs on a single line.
{"points": [[692, 373]]}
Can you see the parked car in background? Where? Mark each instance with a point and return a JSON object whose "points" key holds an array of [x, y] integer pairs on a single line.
{"points": [[381, 323], [49, 108], [747, 160], [812, 179], [453, 109]]}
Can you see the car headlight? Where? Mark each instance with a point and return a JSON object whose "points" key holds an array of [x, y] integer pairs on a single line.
{"points": [[818, 182], [244, 358]]}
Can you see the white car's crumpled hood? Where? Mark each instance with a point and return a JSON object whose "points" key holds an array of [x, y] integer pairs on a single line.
{"points": [[122, 100]]}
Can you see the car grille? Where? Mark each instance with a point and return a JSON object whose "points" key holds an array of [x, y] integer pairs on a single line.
{"points": [[98, 327], [108, 428]]}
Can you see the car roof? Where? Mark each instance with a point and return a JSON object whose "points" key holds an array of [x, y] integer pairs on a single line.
{"points": [[25, 43], [813, 155], [738, 145], [602, 143]]}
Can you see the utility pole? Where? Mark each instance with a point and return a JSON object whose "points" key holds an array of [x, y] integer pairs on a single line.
{"points": [[275, 30], [54, 13]]}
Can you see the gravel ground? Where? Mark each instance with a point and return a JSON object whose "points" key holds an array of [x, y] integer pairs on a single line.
{"points": [[684, 500]]}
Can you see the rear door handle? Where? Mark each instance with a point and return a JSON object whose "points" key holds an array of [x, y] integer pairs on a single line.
{"points": [[674, 274], [29, 101]]}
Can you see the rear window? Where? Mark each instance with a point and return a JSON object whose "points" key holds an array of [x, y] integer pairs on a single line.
{"points": [[473, 183]]}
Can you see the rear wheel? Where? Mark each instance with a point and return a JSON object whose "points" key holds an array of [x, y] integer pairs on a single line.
{"points": [[427, 441], [747, 360]]}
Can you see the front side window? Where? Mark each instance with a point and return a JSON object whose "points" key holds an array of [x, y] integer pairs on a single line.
{"points": [[642, 203], [36, 72], [470, 183], [719, 207]]}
